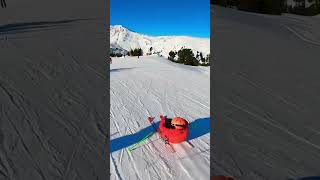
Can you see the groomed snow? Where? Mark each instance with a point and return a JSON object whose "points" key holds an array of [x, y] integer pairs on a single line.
{"points": [[153, 86]]}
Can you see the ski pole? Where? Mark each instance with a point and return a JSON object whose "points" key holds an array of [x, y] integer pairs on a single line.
{"points": [[152, 123]]}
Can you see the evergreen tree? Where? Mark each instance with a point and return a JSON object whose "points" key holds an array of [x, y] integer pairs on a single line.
{"points": [[197, 56], [202, 59], [136, 52], [186, 56], [172, 55]]}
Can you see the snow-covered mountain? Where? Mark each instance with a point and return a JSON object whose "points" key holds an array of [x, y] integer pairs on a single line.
{"points": [[122, 40]]}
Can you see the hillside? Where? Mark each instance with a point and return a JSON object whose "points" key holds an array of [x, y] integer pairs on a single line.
{"points": [[123, 39], [266, 96], [150, 86]]}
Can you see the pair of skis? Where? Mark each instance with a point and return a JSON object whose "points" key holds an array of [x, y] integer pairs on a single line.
{"points": [[143, 140], [138, 144]]}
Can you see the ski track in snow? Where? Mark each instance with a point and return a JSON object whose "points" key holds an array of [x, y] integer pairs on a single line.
{"points": [[150, 86]]}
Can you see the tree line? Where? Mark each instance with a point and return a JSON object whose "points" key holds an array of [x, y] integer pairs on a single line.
{"points": [[187, 57], [183, 56], [135, 52], [132, 52], [275, 7]]}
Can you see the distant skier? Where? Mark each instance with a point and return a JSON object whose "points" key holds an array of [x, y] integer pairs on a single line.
{"points": [[3, 4], [110, 60]]}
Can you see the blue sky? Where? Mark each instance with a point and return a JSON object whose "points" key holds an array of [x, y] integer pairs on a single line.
{"points": [[163, 17]]}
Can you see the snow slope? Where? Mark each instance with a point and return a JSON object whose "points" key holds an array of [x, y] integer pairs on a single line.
{"points": [[127, 40], [153, 85], [268, 125]]}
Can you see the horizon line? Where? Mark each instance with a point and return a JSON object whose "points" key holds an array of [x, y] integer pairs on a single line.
{"points": [[142, 33]]}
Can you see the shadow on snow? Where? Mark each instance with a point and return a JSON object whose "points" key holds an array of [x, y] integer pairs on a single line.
{"points": [[198, 127], [308, 178], [32, 26], [120, 69]]}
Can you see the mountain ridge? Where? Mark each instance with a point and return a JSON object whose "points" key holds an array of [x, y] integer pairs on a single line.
{"points": [[123, 40]]}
